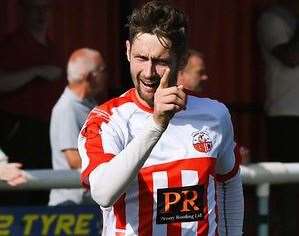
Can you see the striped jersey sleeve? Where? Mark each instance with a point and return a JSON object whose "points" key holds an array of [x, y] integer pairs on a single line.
{"points": [[227, 164], [100, 137]]}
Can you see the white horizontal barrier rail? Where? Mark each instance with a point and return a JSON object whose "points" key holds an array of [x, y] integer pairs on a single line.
{"points": [[270, 172], [264, 172], [47, 179]]}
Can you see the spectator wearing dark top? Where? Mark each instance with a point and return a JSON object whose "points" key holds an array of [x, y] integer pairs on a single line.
{"points": [[278, 34], [29, 87]]}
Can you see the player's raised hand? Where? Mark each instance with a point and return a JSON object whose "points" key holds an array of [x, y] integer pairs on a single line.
{"points": [[168, 100]]}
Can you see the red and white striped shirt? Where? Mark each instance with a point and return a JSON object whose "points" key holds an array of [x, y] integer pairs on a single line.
{"points": [[174, 193]]}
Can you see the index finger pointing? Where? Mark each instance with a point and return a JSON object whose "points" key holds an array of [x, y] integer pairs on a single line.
{"points": [[165, 78]]}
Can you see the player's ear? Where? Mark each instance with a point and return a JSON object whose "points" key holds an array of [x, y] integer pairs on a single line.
{"points": [[128, 46]]}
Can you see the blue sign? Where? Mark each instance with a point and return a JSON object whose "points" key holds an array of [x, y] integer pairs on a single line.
{"points": [[59, 220]]}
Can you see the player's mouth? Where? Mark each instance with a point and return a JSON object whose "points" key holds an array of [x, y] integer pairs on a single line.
{"points": [[149, 86]]}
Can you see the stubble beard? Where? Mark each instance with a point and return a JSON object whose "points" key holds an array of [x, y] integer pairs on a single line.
{"points": [[149, 101], [137, 83]]}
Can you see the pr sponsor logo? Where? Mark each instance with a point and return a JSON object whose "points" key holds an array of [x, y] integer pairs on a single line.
{"points": [[183, 204]]}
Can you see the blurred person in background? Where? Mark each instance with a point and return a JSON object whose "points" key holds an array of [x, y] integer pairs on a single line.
{"points": [[193, 71], [192, 75], [278, 36], [27, 64], [29, 86], [86, 75]]}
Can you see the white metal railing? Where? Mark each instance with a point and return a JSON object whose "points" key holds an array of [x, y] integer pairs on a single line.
{"points": [[47, 179], [270, 172], [261, 174]]}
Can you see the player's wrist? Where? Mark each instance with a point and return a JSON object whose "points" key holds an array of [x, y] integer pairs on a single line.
{"points": [[160, 121]]}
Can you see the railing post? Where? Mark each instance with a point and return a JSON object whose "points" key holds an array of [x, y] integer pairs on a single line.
{"points": [[263, 193]]}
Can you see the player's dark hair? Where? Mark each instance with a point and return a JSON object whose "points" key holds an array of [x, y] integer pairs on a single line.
{"points": [[164, 21]]}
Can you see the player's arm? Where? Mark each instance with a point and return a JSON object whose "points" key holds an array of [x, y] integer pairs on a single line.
{"points": [[229, 186], [107, 170], [73, 158], [230, 206], [112, 174]]}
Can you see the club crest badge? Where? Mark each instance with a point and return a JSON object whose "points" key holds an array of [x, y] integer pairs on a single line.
{"points": [[202, 142]]}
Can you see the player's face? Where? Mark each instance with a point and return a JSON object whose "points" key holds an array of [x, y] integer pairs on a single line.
{"points": [[148, 61], [194, 74]]}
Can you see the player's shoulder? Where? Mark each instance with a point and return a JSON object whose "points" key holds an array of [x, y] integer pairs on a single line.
{"points": [[207, 104], [114, 107], [117, 102]]}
